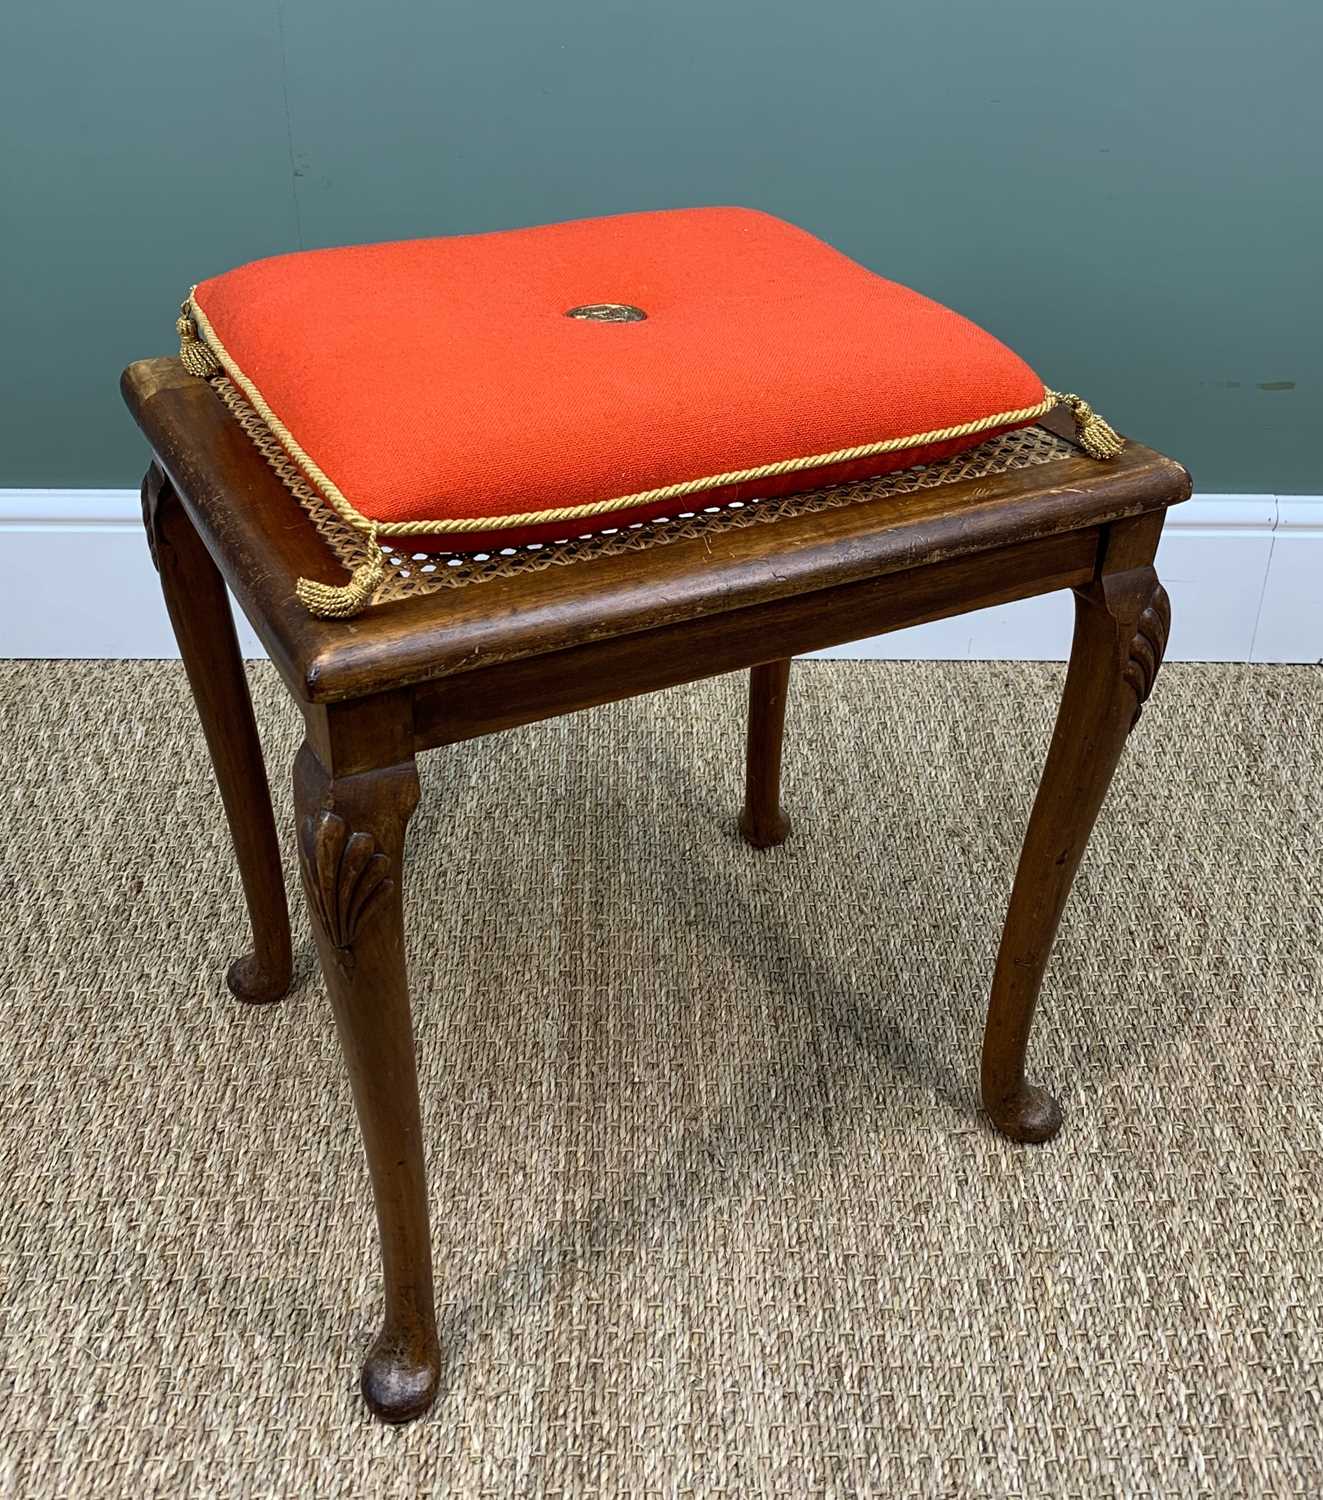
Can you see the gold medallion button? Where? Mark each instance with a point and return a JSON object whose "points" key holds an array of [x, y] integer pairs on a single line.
{"points": [[607, 312]]}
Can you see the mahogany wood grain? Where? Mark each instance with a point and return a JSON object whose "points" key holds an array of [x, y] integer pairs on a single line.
{"points": [[1122, 619], [351, 846], [762, 821], [520, 692], [199, 612]]}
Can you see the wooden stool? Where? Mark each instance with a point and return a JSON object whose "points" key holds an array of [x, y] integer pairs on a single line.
{"points": [[431, 670]]}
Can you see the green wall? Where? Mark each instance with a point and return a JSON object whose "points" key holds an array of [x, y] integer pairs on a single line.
{"points": [[1128, 193]]}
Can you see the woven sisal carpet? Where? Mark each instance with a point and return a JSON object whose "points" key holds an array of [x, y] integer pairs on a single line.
{"points": [[714, 1212]]}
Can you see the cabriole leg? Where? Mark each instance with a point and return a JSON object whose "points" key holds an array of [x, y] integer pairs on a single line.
{"points": [[199, 610], [351, 843], [1121, 625]]}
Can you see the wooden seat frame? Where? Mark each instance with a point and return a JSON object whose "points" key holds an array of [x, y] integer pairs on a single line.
{"points": [[418, 673]]}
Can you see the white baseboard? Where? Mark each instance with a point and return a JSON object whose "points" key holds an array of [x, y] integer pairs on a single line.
{"points": [[1245, 573]]}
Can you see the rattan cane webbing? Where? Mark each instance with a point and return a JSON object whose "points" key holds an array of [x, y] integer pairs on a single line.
{"points": [[412, 573]]}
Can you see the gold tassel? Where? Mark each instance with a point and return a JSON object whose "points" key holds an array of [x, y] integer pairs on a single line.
{"points": [[194, 355], [330, 603], [1097, 437]]}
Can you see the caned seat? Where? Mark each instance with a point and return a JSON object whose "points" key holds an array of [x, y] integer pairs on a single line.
{"points": [[1034, 491]]}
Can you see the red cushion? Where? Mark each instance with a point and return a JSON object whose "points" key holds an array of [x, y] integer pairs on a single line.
{"points": [[439, 383]]}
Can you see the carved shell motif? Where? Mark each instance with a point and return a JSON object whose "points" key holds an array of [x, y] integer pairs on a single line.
{"points": [[1147, 648], [347, 876]]}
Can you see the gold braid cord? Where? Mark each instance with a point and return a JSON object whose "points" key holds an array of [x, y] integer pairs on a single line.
{"points": [[203, 354], [411, 575]]}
